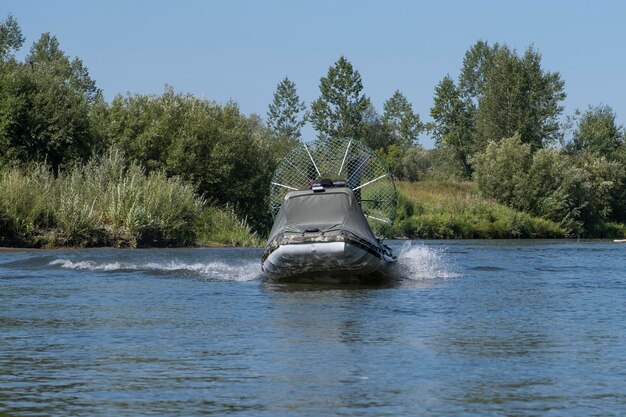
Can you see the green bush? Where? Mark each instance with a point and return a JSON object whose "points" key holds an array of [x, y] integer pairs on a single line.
{"points": [[217, 226], [579, 191], [224, 154], [453, 210]]}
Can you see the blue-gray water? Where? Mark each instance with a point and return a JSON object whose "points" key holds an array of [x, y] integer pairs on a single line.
{"points": [[473, 328]]}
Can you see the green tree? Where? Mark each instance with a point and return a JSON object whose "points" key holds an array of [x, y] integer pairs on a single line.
{"points": [[453, 125], [477, 63], [11, 38], [374, 132], [214, 147], [414, 164], [62, 95], [580, 192], [518, 96], [404, 125], [339, 111], [598, 133], [499, 94], [45, 104], [500, 170], [13, 104], [286, 114]]}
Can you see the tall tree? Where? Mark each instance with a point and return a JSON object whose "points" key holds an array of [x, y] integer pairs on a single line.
{"points": [[500, 94], [13, 105], [286, 114], [518, 96], [477, 63], [11, 38], [453, 125], [340, 109], [598, 133], [44, 102], [405, 126], [62, 93]]}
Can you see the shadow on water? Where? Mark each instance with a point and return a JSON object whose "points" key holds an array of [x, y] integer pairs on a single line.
{"points": [[330, 283]]}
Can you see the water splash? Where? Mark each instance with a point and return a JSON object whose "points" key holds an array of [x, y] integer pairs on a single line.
{"points": [[210, 270], [419, 262], [416, 262]]}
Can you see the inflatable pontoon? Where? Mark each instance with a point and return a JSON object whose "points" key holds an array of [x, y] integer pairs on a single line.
{"points": [[325, 196]]}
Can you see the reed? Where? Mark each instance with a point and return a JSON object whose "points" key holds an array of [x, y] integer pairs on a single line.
{"points": [[24, 203], [221, 227], [109, 202]]}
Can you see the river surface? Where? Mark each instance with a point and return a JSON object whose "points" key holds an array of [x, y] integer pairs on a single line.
{"points": [[471, 328]]}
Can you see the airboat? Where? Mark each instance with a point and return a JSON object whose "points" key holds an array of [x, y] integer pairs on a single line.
{"points": [[327, 198]]}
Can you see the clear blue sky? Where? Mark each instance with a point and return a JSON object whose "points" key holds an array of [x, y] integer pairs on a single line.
{"points": [[240, 49]]}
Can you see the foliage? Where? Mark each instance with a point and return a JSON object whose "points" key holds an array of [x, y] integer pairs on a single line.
{"points": [[477, 64], [453, 123], [45, 104], [221, 226], [499, 170], [598, 133], [499, 121], [394, 134], [108, 201], [499, 94], [399, 118], [340, 109], [374, 132], [11, 38], [514, 95], [455, 210], [578, 192], [412, 165], [209, 145], [283, 115]]}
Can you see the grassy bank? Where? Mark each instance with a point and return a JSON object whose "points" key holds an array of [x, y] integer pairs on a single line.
{"points": [[455, 210], [109, 202]]}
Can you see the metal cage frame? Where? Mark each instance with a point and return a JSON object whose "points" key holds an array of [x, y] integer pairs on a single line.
{"points": [[347, 160]]}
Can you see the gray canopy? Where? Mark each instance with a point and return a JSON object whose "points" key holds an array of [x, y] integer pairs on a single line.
{"points": [[333, 210]]}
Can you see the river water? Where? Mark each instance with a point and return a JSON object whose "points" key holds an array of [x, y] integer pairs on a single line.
{"points": [[472, 328]]}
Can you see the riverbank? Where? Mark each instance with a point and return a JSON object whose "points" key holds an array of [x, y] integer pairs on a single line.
{"points": [[455, 210], [109, 202]]}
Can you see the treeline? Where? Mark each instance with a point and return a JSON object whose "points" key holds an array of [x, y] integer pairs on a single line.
{"points": [[499, 124], [53, 115]]}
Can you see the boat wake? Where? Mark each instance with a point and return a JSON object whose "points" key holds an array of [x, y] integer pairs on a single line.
{"points": [[216, 270]]}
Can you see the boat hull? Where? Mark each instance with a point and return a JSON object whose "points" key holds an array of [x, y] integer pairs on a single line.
{"points": [[335, 259]]}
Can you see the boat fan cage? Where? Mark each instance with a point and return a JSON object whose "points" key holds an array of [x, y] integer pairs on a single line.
{"points": [[338, 159]]}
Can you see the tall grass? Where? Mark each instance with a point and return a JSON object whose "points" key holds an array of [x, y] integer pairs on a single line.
{"points": [[455, 210], [220, 226], [109, 202], [24, 203]]}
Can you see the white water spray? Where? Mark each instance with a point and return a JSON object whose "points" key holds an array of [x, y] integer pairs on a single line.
{"points": [[210, 270], [419, 262]]}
